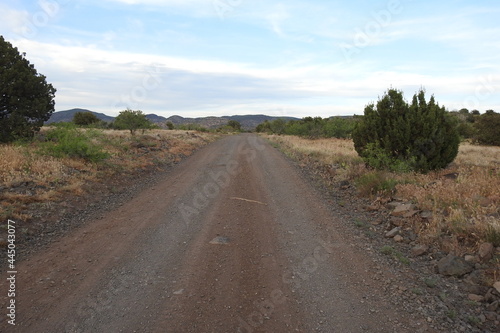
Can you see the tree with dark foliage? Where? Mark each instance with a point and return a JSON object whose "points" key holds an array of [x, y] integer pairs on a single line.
{"points": [[85, 118], [421, 134], [488, 128], [26, 99]]}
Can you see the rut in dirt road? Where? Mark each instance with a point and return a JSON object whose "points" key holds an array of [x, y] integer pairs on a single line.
{"points": [[233, 239]]}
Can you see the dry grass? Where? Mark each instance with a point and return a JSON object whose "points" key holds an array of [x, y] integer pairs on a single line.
{"points": [[326, 151], [29, 176], [465, 209], [335, 157]]}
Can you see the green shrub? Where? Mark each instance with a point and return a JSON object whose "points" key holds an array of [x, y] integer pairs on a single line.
{"points": [[422, 134], [192, 127], [379, 159], [387, 250], [85, 118], [67, 140], [487, 128], [466, 130], [338, 127]]}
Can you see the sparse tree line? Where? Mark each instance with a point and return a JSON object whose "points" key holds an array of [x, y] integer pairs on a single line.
{"points": [[131, 120], [479, 128], [134, 120], [334, 127]]}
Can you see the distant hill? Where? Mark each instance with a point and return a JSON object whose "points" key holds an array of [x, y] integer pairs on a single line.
{"points": [[67, 116], [155, 118], [247, 122]]}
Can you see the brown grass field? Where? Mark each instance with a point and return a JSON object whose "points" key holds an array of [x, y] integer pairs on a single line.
{"points": [[464, 198], [30, 176]]}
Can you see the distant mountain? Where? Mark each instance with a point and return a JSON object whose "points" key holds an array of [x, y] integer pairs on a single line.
{"points": [[247, 122], [67, 116], [155, 118]]}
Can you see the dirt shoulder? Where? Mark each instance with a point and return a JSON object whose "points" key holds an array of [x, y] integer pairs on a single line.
{"points": [[453, 294]]}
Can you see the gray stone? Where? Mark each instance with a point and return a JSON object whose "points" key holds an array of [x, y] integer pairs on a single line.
{"points": [[410, 213], [486, 251], [471, 259], [393, 204], [451, 175], [220, 240], [419, 250], [398, 238], [453, 266], [393, 232], [426, 214], [476, 298], [403, 209], [496, 285]]}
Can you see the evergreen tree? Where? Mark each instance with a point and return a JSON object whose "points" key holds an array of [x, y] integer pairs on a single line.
{"points": [[26, 99], [85, 118], [421, 135]]}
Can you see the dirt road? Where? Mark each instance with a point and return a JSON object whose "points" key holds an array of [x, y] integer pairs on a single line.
{"points": [[233, 239]]}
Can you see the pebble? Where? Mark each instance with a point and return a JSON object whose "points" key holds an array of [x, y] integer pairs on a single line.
{"points": [[393, 232]]}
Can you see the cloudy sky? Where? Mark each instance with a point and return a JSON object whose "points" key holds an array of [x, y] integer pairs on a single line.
{"points": [[226, 57]]}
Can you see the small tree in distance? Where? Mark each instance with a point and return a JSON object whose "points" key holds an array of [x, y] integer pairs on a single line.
{"points": [[170, 125], [132, 120], [85, 118], [393, 134], [234, 124]]}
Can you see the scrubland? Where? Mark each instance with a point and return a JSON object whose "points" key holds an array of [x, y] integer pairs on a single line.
{"points": [[63, 163], [463, 200]]}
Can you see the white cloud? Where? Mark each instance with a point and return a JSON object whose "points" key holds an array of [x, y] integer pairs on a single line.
{"points": [[109, 80], [298, 67], [13, 20]]}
